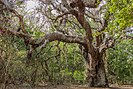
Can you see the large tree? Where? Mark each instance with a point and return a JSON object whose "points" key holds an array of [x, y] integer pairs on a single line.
{"points": [[83, 22]]}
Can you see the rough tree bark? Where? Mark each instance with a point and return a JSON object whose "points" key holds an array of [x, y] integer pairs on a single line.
{"points": [[95, 68], [96, 75]]}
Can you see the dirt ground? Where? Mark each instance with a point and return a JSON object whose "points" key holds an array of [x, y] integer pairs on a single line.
{"points": [[64, 87]]}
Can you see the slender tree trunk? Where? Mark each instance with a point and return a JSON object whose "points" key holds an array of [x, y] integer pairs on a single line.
{"points": [[96, 75]]}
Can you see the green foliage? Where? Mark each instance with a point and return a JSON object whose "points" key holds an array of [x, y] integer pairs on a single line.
{"points": [[55, 63], [120, 13], [61, 63], [120, 59], [11, 52], [120, 63]]}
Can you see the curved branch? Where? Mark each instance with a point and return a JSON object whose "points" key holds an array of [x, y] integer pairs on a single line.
{"points": [[81, 19], [63, 38], [48, 37]]}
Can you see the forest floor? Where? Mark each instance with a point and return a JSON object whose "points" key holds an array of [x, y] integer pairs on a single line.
{"points": [[67, 87]]}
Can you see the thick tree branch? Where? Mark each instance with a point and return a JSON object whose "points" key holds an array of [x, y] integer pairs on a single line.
{"points": [[48, 37], [63, 38], [81, 19]]}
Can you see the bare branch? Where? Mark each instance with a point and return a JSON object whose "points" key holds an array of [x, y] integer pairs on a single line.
{"points": [[109, 43], [59, 16], [47, 38], [63, 38]]}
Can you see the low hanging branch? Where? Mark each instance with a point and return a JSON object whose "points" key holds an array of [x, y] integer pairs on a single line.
{"points": [[41, 42], [48, 37]]}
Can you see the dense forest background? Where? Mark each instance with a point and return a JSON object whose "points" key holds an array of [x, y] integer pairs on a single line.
{"points": [[61, 62]]}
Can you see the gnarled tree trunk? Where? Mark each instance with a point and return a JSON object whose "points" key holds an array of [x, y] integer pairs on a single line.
{"points": [[96, 74]]}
